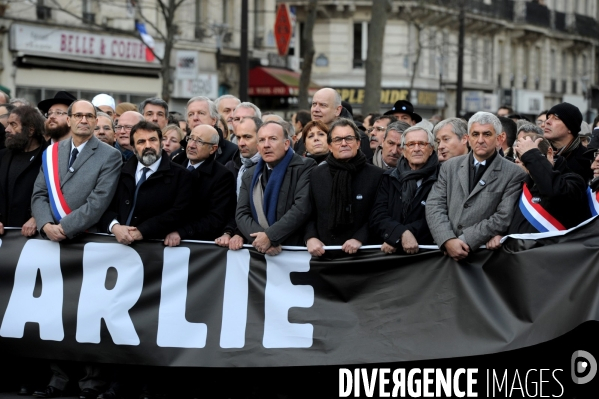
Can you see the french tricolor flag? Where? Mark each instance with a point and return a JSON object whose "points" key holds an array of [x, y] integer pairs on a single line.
{"points": [[147, 39]]}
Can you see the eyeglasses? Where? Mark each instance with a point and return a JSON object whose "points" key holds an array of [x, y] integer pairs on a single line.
{"points": [[348, 139], [79, 116], [197, 141], [54, 113], [413, 144], [595, 154], [127, 128]]}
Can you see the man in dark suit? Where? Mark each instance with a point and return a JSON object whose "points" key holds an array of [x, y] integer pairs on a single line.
{"points": [[79, 193], [474, 196], [213, 192], [87, 174], [20, 163], [274, 199], [153, 195]]}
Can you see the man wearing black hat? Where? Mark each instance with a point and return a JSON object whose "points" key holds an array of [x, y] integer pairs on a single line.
{"points": [[561, 129], [55, 111], [404, 111]]}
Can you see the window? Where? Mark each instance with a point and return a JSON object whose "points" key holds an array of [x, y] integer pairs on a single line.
{"points": [[87, 11], [564, 70], [360, 44], [574, 74], [500, 51], [199, 13], [553, 62], [488, 60], [432, 54], [43, 12]]}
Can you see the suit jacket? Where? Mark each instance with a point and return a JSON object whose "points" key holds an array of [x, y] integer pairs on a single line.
{"points": [[163, 200], [214, 201], [452, 211], [15, 201], [293, 206], [88, 188]]}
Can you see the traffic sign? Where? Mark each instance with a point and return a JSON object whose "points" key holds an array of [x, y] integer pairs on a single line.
{"points": [[283, 29]]}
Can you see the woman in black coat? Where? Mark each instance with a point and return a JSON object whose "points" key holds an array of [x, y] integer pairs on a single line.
{"points": [[398, 215]]}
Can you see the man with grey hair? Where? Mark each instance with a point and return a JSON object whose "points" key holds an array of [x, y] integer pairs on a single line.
{"points": [[274, 198], [154, 110], [451, 138], [527, 127], [225, 105], [474, 196], [387, 154], [123, 131], [202, 111], [398, 215]]}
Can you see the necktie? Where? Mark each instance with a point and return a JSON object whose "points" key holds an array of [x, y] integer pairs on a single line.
{"points": [[191, 168], [73, 157], [139, 183]]}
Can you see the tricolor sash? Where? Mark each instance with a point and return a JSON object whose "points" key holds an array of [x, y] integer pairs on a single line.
{"points": [[593, 198], [59, 206], [536, 214]]}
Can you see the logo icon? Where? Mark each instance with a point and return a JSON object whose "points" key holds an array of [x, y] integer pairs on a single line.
{"points": [[583, 362]]}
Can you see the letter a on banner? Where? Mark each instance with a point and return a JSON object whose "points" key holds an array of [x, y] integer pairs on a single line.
{"points": [[281, 296], [97, 303], [23, 307]]}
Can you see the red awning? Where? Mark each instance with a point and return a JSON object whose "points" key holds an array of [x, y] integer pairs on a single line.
{"points": [[266, 81]]}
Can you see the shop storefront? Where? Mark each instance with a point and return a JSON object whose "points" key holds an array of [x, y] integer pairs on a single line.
{"points": [[46, 60]]}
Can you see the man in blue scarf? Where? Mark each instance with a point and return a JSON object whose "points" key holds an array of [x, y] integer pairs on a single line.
{"points": [[274, 202]]}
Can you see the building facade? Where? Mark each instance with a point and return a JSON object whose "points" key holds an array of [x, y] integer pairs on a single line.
{"points": [[526, 54]]}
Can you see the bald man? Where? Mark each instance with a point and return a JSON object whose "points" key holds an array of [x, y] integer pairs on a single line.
{"points": [[326, 106], [214, 195]]}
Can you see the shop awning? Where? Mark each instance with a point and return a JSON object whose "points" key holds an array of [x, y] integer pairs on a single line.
{"points": [[266, 81]]}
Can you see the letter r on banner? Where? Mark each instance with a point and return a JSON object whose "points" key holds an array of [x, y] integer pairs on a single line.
{"points": [[23, 307], [97, 303]]}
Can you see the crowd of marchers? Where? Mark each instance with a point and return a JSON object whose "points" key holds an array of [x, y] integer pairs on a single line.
{"points": [[226, 172]]}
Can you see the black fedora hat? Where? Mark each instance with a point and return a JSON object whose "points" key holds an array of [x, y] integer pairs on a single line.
{"points": [[404, 107], [62, 97]]}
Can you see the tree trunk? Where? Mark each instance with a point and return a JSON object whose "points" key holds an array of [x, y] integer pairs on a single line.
{"points": [[418, 53], [171, 30], [374, 61], [308, 46]]}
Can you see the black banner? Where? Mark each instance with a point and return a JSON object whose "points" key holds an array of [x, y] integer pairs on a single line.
{"points": [[92, 299]]}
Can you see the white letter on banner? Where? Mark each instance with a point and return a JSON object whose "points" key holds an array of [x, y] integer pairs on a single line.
{"points": [[280, 296], [97, 303], [173, 329], [235, 303], [23, 307]]}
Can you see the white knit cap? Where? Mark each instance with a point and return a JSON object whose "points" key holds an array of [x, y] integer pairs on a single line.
{"points": [[104, 99]]}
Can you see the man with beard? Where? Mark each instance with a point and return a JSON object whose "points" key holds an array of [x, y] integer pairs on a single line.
{"points": [[153, 195], [398, 214], [55, 111], [20, 163]]}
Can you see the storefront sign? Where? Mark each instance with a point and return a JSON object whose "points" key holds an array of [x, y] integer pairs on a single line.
{"points": [[206, 84], [529, 102], [474, 101], [86, 47], [420, 98], [187, 64]]}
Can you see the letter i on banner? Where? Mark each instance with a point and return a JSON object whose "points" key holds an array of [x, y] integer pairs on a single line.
{"points": [[235, 303], [23, 307], [280, 296]]}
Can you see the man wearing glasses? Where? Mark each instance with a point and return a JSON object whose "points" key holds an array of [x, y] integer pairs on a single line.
{"points": [[70, 199], [473, 198], [55, 111], [274, 198], [123, 132], [213, 188]]}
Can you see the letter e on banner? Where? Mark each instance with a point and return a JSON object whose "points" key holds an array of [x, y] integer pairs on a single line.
{"points": [[173, 328], [280, 296], [97, 303], [23, 307]]}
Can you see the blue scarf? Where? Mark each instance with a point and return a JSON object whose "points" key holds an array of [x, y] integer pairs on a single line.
{"points": [[273, 187]]}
